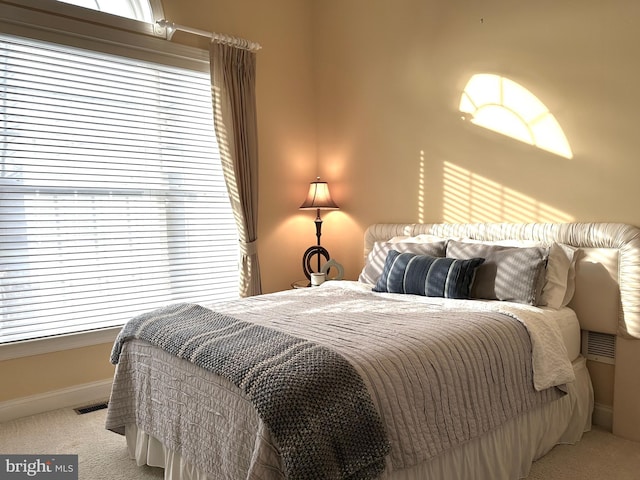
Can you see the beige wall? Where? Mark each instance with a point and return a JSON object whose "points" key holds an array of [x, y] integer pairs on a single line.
{"points": [[389, 78], [26, 376]]}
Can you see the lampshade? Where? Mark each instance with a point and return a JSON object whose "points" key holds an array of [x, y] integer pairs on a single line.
{"points": [[319, 197]]}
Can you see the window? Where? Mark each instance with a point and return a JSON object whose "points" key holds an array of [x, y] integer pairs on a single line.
{"points": [[112, 197], [134, 9]]}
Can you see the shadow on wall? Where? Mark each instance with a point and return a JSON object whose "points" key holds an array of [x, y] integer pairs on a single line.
{"points": [[469, 197]]}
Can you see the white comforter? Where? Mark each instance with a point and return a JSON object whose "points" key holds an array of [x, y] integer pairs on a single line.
{"points": [[551, 365]]}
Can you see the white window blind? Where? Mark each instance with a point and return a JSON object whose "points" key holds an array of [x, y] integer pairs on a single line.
{"points": [[112, 197]]}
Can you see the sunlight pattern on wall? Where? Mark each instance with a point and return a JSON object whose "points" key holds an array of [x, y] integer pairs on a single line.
{"points": [[421, 188], [502, 105], [469, 197]]}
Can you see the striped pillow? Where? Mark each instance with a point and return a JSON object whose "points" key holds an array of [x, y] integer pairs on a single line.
{"points": [[511, 274], [427, 276]]}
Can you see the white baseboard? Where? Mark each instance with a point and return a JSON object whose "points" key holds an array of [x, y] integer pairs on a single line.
{"points": [[603, 416], [67, 397]]}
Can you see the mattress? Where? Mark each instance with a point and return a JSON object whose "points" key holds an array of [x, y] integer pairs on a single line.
{"points": [[569, 327]]}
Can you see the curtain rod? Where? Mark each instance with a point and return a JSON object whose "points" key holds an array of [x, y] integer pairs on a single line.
{"points": [[219, 37]]}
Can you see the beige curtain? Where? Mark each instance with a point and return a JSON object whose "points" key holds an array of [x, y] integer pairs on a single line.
{"points": [[234, 107]]}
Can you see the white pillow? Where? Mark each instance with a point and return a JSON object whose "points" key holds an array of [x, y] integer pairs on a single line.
{"points": [[573, 253], [377, 256]]}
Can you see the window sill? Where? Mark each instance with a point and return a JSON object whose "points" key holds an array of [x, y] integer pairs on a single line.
{"points": [[41, 346]]}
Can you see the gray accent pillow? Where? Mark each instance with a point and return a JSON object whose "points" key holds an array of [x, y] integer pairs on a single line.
{"points": [[513, 274], [378, 255]]}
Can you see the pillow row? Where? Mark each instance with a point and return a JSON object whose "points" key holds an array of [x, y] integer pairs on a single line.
{"points": [[523, 272], [559, 281]]}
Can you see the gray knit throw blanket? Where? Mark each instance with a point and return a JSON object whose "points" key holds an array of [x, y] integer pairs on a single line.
{"points": [[313, 401]]}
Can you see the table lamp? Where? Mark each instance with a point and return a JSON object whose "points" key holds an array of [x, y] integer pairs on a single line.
{"points": [[318, 198]]}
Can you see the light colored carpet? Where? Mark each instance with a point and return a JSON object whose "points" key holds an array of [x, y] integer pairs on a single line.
{"points": [[102, 455], [598, 456]]}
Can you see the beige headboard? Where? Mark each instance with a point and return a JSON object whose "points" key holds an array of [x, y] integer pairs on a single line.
{"points": [[607, 297]]}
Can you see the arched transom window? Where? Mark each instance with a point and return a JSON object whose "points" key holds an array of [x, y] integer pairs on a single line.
{"points": [[134, 9]]}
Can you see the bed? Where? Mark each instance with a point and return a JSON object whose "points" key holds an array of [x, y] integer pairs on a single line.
{"points": [[437, 395]]}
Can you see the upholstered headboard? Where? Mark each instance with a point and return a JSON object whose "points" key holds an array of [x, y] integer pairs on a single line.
{"points": [[607, 296]]}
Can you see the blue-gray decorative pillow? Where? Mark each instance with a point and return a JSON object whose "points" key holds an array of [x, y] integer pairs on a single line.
{"points": [[427, 276]]}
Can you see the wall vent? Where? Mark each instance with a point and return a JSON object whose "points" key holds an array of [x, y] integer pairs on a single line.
{"points": [[599, 347]]}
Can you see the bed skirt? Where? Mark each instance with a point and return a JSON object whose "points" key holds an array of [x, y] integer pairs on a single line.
{"points": [[560, 422]]}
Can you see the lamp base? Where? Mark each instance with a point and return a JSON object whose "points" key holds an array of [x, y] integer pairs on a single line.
{"points": [[311, 252]]}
